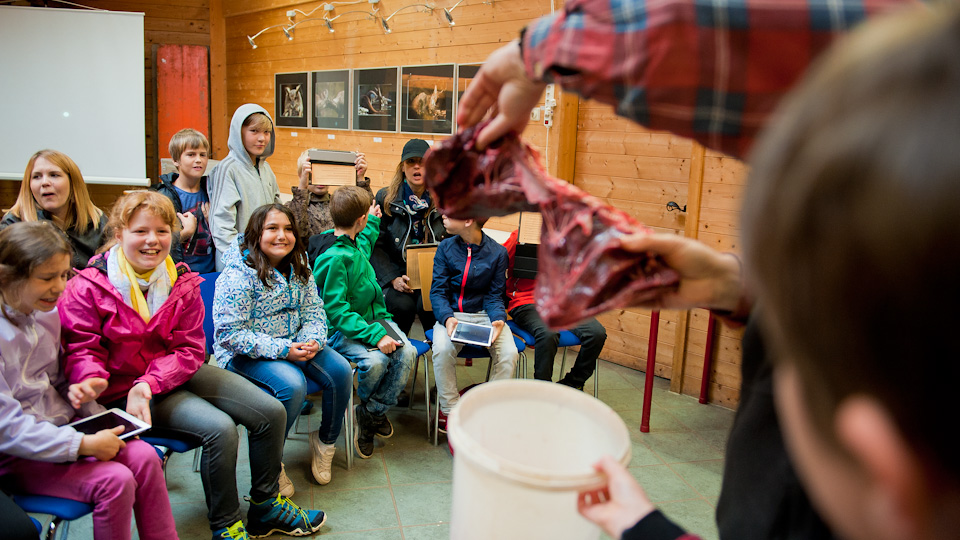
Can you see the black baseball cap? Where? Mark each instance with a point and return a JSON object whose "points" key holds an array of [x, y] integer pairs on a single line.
{"points": [[415, 148]]}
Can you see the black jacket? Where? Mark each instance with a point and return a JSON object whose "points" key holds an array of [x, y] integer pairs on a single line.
{"points": [[84, 245], [388, 257], [165, 188]]}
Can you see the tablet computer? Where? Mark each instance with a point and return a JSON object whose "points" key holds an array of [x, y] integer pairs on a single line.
{"points": [[474, 334], [132, 426]]}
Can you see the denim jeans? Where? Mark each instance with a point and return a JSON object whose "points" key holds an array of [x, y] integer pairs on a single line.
{"points": [[381, 377], [503, 352], [209, 406], [590, 332], [287, 382]]}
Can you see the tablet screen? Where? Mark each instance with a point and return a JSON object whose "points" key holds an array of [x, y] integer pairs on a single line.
{"points": [[109, 419], [473, 333]]}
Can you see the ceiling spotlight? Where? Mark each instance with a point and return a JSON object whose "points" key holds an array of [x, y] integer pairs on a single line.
{"points": [[386, 28], [329, 26], [449, 16], [252, 43], [288, 32]]}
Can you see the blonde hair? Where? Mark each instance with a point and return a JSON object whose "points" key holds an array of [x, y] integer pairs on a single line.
{"points": [[259, 121], [186, 139], [126, 206], [81, 212]]}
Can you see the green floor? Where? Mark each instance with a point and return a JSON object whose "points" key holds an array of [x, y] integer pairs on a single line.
{"points": [[403, 491]]}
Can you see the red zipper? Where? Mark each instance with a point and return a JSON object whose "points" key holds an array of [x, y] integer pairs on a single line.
{"points": [[463, 284]]}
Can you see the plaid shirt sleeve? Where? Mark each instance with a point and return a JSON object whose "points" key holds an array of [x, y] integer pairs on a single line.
{"points": [[709, 70]]}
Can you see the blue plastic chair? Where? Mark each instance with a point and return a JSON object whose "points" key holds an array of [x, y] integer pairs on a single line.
{"points": [[471, 352], [173, 445], [567, 339], [207, 288], [63, 511]]}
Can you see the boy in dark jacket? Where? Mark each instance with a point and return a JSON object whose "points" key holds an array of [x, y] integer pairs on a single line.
{"points": [[469, 275], [187, 189]]}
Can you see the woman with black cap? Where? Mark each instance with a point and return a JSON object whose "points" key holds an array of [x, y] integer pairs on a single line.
{"points": [[409, 217]]}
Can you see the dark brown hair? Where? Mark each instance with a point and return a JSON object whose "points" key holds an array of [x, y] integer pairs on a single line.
{"points": [[296, 261], [349, 203], [852, 228]]}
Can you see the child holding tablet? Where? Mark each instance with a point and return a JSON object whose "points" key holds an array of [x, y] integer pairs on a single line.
{"points": [[133, 339], [39, 454], [469, 276]]}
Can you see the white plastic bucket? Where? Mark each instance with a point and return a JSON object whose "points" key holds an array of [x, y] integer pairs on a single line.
{"points": [[523, 450]]}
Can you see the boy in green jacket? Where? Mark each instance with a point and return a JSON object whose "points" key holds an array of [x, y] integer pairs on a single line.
{"points": [[357, 315]]}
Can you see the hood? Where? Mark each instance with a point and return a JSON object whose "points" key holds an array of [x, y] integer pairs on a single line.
{"points": [[319, 243], [232, 256], [235, 141]]}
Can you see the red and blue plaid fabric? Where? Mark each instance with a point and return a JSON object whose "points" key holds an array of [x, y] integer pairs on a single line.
{"points": [[711, 70]]}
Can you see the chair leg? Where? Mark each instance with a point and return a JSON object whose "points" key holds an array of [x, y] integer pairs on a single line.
{"points": [[57, 524], [489, 368], [196, 458], [349, 428], [413, 387], [426, 392], [436, 418], [596, 379], [563, 363]]}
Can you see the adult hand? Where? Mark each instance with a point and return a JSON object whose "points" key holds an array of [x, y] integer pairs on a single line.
{"points": [[304, 172], [138, 401], [361, 165], [618, 505], [311, 348], [708, 278], [86, 391], [451, 324], [497, 328], [387, 344], [375, 210], [103, 445], [297, 353], [502, 83], [188, 223], [400, 284]]}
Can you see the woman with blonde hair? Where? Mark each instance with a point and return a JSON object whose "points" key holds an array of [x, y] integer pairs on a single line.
{"points": [[53, 190]]}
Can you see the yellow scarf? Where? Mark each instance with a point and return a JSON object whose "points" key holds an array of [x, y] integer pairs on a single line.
{"points": [[137, 300]]}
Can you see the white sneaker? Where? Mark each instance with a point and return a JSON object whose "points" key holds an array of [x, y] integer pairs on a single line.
{"points": [[321, 459], [286, 486]]}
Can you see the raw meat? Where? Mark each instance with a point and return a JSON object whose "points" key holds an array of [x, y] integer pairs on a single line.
{"points": [[583, 270]]}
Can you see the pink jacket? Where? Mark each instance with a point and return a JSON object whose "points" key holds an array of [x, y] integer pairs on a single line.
{"points": [[104, 337]]}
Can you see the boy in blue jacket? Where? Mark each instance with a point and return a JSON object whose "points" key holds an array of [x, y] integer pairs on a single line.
{"points": [[469, 279]]}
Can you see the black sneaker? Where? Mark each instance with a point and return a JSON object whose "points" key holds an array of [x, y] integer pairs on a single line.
{"points": [[365, 431], [403, 399], [572, 384], [381, 426]]}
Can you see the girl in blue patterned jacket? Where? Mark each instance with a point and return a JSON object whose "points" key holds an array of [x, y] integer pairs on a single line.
{"points": [[270, 327]]}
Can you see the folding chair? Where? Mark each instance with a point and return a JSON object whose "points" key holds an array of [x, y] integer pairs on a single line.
{"points": [[63, 511]]}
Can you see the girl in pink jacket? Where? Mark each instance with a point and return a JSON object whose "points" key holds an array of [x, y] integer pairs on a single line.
{"points": [[39, 454], [133, 323]]}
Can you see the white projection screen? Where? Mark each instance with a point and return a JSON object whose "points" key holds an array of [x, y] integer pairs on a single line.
{"points": [[72, 80]]}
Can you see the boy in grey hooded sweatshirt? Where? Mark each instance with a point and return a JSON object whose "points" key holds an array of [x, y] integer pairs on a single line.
{"points": [[243, 181]]}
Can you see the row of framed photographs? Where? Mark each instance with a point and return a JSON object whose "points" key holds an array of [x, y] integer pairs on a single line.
{"points": [[409, 99]]}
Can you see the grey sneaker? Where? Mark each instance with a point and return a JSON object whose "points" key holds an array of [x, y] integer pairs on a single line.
{"points": [[286, 486], [321, 461]]}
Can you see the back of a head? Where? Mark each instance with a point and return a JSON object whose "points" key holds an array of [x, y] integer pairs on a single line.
{"points": [[348, 204], [852, 227]]}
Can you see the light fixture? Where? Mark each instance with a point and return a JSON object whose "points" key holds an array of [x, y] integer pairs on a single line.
{"points": [[288, 31], [329, 26], [446, 13], [253, 37], [386, 27]]}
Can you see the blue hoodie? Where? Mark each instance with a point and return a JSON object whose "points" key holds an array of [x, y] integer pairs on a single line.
{"points": [[469, 278]]}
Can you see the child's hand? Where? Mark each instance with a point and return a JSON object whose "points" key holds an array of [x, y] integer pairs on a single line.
{"points": [[375, 209], [305, 173], [451, 324], [387, 344], [188, 222], [311, 347], [205, 208], [297, 353], [103, 445], [617, 506], [361, 165], [86, 391], [400, 284], [497, 328], [138, 401]]}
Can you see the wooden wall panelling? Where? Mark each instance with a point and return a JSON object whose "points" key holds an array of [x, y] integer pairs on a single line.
{"points": [[219, 116], [692, 221]]}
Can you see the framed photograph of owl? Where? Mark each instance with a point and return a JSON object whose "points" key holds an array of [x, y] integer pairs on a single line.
{"points": [[331, 99], [292, 99]]}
